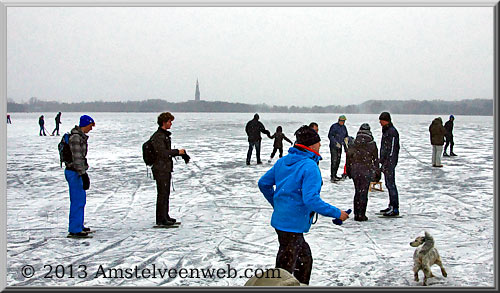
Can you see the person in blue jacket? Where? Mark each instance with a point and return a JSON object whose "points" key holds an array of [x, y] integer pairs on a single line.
{"points": [[337, 134], [389, 152], [295, 199]]}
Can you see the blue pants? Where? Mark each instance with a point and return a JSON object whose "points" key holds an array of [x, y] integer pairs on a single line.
{"points": [[390, 183], [78, 199], [250, 149]]}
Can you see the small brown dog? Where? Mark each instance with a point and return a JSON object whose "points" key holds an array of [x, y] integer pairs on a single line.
{"points": [[426, 256]]}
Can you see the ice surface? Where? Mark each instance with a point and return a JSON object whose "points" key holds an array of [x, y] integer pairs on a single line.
{"points": [[226, 220]]}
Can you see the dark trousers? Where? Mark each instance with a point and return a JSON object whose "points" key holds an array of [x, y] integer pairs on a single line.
{"points": [[42, 129], [251, 145], [336, 153], [361, 186], [274, 152], [390, 183], [449, 142], [56, 129], [294, 255], [162, 199], [8, 121]]}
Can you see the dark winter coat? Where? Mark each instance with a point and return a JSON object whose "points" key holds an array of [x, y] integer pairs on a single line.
{"points": [[278, 139], [41, 121], [448, 126], [362, 158], [162, 145], [437, 132], [78, 146], [254, 128], [337, 134], [58, 119], [389, 147]]}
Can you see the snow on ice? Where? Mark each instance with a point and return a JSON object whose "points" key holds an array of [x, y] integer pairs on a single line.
{"points": [[226, 220]]}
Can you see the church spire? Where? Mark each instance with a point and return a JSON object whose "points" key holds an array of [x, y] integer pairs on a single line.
{"points": [[197, 93]]}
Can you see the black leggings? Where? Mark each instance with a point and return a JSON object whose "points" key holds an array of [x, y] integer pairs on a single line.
{"points": [[276, 149], [294, 255]]}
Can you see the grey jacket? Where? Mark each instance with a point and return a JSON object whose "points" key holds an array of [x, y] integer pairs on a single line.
{"points": [[78, 146]]}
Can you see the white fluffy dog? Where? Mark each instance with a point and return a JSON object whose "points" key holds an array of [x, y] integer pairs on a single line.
{"points": [[425, 256]]}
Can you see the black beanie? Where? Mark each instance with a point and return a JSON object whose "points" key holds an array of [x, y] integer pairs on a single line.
{"points": [[307, 136], [385, 116]]}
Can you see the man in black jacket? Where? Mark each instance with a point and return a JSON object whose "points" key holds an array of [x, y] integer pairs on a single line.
{"points": [[448, 126], [163, 167], [58, 121], [253, 129], [389, 152]]}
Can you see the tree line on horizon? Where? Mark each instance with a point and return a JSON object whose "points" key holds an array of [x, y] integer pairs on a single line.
{"points": [[482, 107]]}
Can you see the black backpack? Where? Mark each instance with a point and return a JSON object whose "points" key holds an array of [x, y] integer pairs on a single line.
{"points": [[65, 154], [148, 153]]}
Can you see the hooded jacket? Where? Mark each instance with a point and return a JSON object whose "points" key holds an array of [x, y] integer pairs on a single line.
{"points": [[389, 147], [78, 146], [362, 156], [164, 152], [298, 184], [437, 132], [253, 129], [278, 139]]}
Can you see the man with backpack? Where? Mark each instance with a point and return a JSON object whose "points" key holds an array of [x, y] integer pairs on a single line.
{"points": [[76, 174], [162, 164]]}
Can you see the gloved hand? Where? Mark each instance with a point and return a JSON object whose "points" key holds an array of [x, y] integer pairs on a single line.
{"points": [[186, 158], [86, 181]]}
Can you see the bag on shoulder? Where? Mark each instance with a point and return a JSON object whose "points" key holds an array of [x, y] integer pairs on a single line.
{"points": [[148, 153], [65, 154]]}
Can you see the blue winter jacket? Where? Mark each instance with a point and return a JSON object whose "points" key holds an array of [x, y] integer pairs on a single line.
{"points": [[336, 134], [298, 184]]}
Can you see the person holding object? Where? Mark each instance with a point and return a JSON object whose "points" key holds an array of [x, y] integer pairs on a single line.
{"points": [[77, 177], [389, 154], [295, 200], [253, 129], [58, 121], [163, 167], [337, 134], [449, 136], [437, 133], [362, 167]]}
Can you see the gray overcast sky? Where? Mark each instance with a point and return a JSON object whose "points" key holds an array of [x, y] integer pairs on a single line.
{"points": [[274, 55]]}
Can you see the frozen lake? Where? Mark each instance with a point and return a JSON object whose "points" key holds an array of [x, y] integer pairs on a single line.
{"points": [[226, 220]]}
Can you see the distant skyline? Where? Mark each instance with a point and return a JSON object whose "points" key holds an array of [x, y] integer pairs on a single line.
{"points": [[301, 56]]}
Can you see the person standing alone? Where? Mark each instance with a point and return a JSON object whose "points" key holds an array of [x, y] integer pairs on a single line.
{"points": [[437, 133], [337, 134], [77, 177], [448, 126], [163, 167], [58, 121], [389, 153]]}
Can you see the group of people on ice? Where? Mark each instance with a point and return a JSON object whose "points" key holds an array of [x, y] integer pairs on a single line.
{"points": [[41, 123]]}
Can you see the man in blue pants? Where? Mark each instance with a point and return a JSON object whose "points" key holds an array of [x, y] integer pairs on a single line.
{"points": [[77, 177]]}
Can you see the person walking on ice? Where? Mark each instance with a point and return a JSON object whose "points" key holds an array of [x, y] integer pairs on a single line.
{"points": [[58, 121], [278, 142], [41, 122], [77, 177], [448, 126], [295, 200], [253, 129], [389, 153]]}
